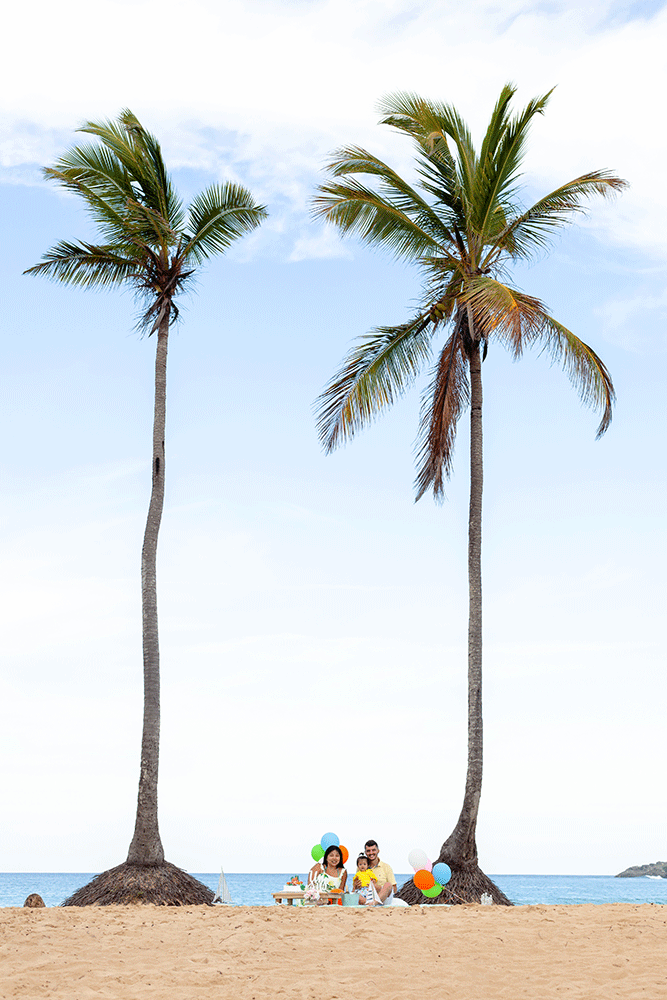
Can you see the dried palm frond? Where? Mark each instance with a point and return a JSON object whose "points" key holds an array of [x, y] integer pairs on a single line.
{"points": [[126, 884]]}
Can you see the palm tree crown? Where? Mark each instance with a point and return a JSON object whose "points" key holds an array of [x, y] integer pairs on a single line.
{"points": [[463, 223], [149, 241]]}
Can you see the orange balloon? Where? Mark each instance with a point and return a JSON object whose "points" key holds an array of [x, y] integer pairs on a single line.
{"points": [[423, 879], [344, 854]]}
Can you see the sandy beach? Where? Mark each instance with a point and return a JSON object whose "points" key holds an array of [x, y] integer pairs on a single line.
{"points": [[252, 953]]}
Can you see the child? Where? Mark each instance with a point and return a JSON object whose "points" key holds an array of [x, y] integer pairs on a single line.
{"points": [[363, 879]]}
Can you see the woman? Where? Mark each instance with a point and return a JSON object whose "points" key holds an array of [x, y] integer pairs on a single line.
{"points": [[331, 866]]}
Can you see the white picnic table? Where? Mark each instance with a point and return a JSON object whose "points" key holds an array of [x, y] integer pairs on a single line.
{"points": [[289, 895]]}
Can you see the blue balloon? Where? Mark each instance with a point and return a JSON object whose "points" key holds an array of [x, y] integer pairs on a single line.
{"points": [[329, 840], [442, 873]]}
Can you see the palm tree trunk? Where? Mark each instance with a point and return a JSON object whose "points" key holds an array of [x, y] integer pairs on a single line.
{"points": [[459, 851], [146, 847], [146, 877], [461, 845]]}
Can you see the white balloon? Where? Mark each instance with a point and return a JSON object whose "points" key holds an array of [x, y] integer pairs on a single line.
{"points": [[418, 859]]}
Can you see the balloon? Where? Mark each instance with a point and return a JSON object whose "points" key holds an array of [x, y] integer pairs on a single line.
{"points": [[344, 853], [434, 891], [317, 852], [423, 879], [329, 840], [441, 873], [417, 858]]}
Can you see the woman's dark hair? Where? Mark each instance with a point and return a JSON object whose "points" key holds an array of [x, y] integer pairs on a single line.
{"points": [[328, 852]]}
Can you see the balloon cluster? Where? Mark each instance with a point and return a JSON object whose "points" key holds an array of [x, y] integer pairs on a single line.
{"points": [[429, 878], [329, 840]]}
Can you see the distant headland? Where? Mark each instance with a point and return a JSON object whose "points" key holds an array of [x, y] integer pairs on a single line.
{"points": [[658, 868]]}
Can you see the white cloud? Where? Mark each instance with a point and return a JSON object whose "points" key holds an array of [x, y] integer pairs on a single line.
{"points": [[326, 243], [636, 322]]}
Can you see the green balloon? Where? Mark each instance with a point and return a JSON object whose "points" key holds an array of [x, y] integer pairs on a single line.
{"points": [[317, 852], [434, 891]]}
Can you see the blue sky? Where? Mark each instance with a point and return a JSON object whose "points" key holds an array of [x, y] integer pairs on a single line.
{"points": [[313, 618]]}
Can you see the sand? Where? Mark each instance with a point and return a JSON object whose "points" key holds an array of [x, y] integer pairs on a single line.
{"points": [[252, 953]]}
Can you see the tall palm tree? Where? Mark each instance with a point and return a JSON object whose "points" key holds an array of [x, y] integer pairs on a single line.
{"points": [[151, 243], [464, 224]]}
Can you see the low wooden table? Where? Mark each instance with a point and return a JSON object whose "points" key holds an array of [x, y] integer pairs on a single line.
{"points": [[289, 895]]}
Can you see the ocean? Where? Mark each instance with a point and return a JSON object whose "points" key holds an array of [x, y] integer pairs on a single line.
{"points": [[255, 889]]}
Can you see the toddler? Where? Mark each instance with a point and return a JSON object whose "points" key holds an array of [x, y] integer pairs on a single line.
{"points": [[364, 878]]}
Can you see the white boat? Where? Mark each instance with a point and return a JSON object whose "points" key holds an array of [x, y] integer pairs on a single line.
{"points": [[655, 876], [223, 894]]}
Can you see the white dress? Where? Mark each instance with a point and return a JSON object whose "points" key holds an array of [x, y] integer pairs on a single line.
{"points": [[330, 882]]}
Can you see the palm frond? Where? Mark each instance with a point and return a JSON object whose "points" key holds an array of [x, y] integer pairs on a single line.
{"points": [[158, 189], [219, 215], [108, 209], [139, 153], [440, 181], [533, 229], [86, 265], [365, 213], [500, 161], [136, 154], [151, 227], [111, 197], [392, 190], [430, 124], [504, 313], [497, 126], [377, 370], [444, 399], [357, 160], [519, 321], [96, 169], [586, 371]]}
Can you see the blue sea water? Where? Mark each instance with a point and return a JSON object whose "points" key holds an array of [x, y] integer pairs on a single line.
{"points": [[255, 889]]}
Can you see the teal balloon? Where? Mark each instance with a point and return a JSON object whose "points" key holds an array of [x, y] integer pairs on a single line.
{"points": [[329, 840], [317, 852], [434, 891], [442, 873]]}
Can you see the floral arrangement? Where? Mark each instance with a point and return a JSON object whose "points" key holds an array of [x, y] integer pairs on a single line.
{"points": [[295, 883]]}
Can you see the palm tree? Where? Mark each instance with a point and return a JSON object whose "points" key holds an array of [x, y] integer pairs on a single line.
{"points": [[149, 242], [463, 223]]}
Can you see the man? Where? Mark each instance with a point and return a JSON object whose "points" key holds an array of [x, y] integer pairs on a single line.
{"points": [[386, 882]]}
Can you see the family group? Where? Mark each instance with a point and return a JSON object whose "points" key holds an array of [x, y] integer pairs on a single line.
{"points": [[374, 879]]}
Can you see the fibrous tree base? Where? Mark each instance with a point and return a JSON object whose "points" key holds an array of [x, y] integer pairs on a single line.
{"points": [[467, 885], [162, 885]]}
